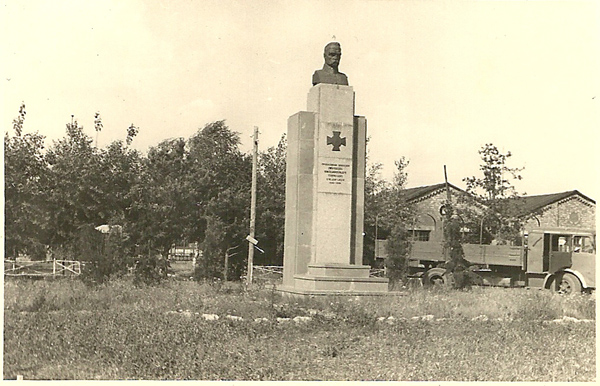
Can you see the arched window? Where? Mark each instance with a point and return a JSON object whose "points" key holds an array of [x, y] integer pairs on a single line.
{"points": [[423, 225]]}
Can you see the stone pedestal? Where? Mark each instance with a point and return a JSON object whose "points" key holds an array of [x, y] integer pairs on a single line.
{"points": [[325, 198]]}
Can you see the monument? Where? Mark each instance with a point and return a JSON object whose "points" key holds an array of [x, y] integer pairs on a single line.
{"points": [[325, 178]]}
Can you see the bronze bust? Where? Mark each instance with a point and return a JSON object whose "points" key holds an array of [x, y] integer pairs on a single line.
{"points": [[330, 74]]}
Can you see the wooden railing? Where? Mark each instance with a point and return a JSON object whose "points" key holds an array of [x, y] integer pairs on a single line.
{"points": [[18, 268], [66, 267]]}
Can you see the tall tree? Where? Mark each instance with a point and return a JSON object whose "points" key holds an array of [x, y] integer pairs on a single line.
{"points": [[376, 193], [220, 177], [76, 195], [270, 208], [501, 215], [192, 190], [25, 193], [161, 199], [397, 218], [120, 168]]}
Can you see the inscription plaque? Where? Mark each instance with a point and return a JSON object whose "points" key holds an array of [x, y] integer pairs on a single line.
{"points": [[335, 176]]}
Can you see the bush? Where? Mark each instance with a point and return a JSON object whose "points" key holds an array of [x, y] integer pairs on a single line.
{"points": [[398, 249], [104, 254], [151, 269], [206, 269], [463, 277]]}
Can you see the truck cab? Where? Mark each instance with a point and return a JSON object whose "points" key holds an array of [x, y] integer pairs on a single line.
{"points": [[560, 259]]}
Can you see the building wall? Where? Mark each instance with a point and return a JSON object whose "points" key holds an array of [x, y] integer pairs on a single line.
{"points": [[427, 209], [572, 212]]}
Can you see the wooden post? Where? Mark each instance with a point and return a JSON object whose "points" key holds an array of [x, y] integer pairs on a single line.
{"points": [[226, 266], [447, 187], [447, 215], [253, 205]]}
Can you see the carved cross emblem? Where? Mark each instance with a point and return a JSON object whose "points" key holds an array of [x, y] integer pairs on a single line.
{"points": [[336, 141]]}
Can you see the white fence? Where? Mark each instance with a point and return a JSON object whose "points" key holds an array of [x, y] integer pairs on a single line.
{"points": [[16, 268]]}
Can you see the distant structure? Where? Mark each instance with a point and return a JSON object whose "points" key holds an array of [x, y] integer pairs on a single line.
{"points": [[330, 73], [570, 210], [566, 210]]}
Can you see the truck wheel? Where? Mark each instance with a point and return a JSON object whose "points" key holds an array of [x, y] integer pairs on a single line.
{"points": [[567, 284], [434, 277]]}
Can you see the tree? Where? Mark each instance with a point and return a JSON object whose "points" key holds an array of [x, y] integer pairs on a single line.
{"points": [[120, 168], [161, 200], [76, 191], [105, 253], [495, 190], [211, 264], [19, 120], [399, 216], [270, 208], [388, 214], [132, 131], [98, 125], [25, 192], [376, 189], [220, 180], [193, 190], [457, 267]]}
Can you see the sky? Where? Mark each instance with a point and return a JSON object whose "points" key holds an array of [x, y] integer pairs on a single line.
{"points": [[436, 80]]}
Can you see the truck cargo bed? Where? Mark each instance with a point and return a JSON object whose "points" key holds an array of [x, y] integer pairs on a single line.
{"points": [[506, 255]]}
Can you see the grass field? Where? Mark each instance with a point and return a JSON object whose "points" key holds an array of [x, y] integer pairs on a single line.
{"points": [[64, 330]]}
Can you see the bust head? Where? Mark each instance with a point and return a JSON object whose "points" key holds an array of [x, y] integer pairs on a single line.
{"points": [[332, 54], [330, 73]]}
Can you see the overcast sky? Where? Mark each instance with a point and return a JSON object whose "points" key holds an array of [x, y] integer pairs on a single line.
{"points": [[435, 79]]}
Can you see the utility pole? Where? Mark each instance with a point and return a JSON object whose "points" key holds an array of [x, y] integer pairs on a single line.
{"points": [[253, 205], [447, 186], [446, 215]]}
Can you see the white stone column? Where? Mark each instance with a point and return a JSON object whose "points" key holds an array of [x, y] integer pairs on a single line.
{"points": [[333, 106]]}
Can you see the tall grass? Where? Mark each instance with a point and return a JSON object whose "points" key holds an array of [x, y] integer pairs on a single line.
{"points": [[235, 298], [65, 330]]}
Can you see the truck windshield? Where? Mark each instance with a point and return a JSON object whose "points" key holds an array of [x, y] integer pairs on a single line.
{"points": [[583, 244]]}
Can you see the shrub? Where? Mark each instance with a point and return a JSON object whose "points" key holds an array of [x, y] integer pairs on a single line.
{"points": [[104, 253], [398, 249], [150, 269]]}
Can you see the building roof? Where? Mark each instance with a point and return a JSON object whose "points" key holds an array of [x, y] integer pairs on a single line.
{"points": [[533, 203], [412, 194], [529, 204]]}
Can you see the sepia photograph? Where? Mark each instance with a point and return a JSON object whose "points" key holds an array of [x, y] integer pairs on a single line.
{"points": [[319, 190]]}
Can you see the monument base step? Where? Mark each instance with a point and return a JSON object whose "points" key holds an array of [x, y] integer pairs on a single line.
{"points": [[298, 292], [337, 279], [339, 270]]}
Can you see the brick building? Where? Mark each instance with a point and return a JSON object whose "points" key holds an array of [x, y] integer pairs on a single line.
{"points": [[427, 224], [566, 210], [571, 210], [428, 202]]}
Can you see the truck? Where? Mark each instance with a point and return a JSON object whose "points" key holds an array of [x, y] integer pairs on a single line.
{"points": [[562, 260]]}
